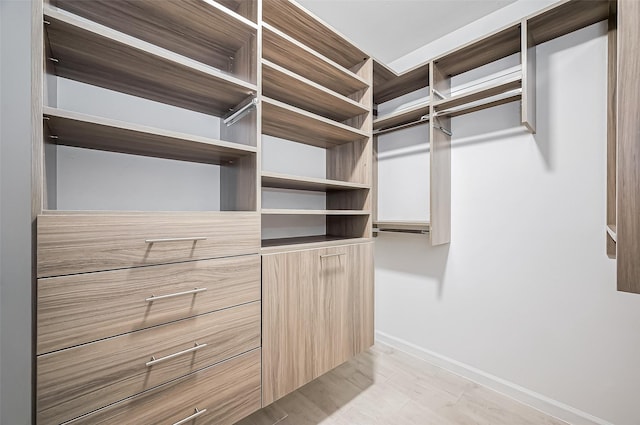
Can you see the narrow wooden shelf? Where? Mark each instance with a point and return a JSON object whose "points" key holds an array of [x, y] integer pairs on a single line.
{"points": [[94, 54], [497, 45], [419, 226], [284, 181], [485, 91], [389, 85], [484, 103], [559, 20], [204, 31], [86, 131], [283, 50], [401, 117], [246, 8], [612, 230], [286, 86], [306, 242], [300, 24], [274, 211], [291, 123]]}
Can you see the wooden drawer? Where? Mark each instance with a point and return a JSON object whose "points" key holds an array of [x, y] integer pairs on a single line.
{"points": [[228, 392], [79, 243], [77, 309], [79, 380]]}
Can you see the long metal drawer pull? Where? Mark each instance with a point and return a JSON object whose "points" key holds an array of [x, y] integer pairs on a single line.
{"points": [[153, 360], [332, 255], [192, 417], [194, 238], [153, 298]]}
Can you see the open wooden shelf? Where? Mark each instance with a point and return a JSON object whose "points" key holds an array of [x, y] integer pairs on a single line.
{"points": [[421, 227], [493, 47], [283, 50], [294, 20], [559, 20], [204, 31], [86, 131], [483, 103], [94, 54], [484, 92], [286, 86], [291, 123], [284, 181], [401, 117], [287, 211], [388, 85], [305, 242]]}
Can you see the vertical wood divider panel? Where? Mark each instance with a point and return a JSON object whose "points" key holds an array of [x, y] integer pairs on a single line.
{"points": [[440, 157], [528, 65], [612, 137], [628, 180]]}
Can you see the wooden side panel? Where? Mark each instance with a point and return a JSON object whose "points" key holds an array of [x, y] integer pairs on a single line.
{"points": [[228, 391], [528, 63], [317, 314], [628, 225], [79, 243], [81, 308], [612, 127], [79, 380], [238, 181], [440, 167]]}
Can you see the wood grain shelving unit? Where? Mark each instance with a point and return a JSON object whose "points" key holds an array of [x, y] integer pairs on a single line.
{"points": [[286, 211], [402, 117]]}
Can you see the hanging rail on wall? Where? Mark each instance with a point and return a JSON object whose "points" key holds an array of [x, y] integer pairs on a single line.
{"points": [[244, 108], [423, 120]]}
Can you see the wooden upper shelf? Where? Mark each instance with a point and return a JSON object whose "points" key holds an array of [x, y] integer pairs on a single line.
{"points": [[388, 85], [97, 55], [284, 181], [286, 86], [294, 20], [204, 31], [86, 131], [283, 50], [291, 123]]}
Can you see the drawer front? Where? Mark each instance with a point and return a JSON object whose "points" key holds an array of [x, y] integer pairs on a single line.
{"points": [[228, 391], [79, 380], [77, 309], [79, 243]]}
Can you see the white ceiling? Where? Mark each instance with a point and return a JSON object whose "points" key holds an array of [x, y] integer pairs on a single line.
{"points": [[389, 29]]}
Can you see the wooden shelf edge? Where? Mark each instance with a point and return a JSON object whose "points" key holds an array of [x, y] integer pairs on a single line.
{"points": [[479, 105], [486, 91], [402, 225], [273, 246], [232, 14], [287, 211], [286, 181], [121, 213], [612, 231], [402, 116]]}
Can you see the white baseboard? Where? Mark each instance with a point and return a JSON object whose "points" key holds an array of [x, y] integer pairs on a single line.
{"points": [[530, 398]]}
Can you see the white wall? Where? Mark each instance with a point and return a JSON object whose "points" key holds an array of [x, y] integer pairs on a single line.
{"points": [[524, 297], [15, 213]]}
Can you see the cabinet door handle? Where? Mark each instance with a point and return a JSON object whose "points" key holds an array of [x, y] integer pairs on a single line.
{"points": [[192, 417], [153, 298], [333, 255], [192, 238], [153, 360]]}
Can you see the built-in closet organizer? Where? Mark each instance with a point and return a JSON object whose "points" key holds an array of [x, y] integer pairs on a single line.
{"points": [[317, 279], [496, 69], [148, 296]]}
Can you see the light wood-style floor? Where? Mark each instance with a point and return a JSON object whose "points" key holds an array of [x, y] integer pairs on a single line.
{"points": [[386, 387]]}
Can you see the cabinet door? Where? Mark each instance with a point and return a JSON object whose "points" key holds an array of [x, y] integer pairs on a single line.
{"points": [[317, 313]]}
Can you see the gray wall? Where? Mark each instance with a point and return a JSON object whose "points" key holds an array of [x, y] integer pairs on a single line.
{"points": [[15, 213]]}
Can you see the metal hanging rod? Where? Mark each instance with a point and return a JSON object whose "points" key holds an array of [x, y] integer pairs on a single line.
{"points": [[423, 120], [235, 116], [444, 130], [417, 232]]}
